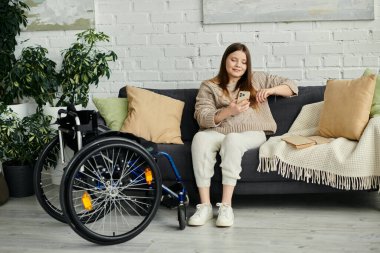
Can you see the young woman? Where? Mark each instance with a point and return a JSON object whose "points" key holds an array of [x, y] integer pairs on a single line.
{"points": [[231, 127]]}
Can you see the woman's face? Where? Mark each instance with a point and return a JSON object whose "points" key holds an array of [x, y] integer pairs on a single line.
{"points": [[236, 64]]}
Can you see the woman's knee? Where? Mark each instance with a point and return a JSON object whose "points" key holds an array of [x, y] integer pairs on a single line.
{"points": [[232, 140], [206, 141], [199, 137], [243, 141]]}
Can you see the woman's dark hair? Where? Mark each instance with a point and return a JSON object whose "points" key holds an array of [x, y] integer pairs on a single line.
{"points": [[245, 82]]}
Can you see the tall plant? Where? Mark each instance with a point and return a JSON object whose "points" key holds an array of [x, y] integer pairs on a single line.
{"points": [[83, 65], [12, 16]]}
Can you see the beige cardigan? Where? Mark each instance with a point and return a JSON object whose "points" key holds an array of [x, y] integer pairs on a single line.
{"points": [[210, 100]]}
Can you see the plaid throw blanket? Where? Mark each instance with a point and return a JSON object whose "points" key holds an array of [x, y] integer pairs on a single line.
{"points": [[342, 163]]}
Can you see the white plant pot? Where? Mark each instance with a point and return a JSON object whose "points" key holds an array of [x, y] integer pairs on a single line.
{"points": [[24, 109]]}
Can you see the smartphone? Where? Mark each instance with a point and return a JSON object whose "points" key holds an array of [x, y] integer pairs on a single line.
{"points": [[243, 95]]}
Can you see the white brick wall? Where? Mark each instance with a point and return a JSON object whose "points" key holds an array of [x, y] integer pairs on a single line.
{"points": [[164, 44]]}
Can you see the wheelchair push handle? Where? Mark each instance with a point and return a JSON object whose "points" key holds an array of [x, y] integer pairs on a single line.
{"points": [[70, 113], [62, 111]]}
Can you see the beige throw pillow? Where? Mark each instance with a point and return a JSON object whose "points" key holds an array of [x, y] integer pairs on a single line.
{"points": [[152, 116], [346, 109]]}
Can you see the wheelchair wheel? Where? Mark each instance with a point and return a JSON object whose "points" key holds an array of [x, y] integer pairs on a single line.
{"points": [[48, 173], [182, 216], [116, 184]]}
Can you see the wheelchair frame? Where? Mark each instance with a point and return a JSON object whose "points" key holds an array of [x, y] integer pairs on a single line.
{"points": [[103, 187]]}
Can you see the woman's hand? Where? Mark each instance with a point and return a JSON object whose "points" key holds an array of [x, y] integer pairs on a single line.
{"points": [[231, 110], [263, 94], [236, 108]]}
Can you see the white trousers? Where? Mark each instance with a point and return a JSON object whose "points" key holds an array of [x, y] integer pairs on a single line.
{"points": [[231, 148]]}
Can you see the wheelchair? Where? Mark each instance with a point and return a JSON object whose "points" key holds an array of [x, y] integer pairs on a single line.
{"points": [[105, 184]]}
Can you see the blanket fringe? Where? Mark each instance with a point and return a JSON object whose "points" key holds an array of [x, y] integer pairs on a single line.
{"points": [[316, 176]]}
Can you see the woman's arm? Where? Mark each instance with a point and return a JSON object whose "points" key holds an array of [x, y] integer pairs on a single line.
{"points": [[280, 90], [205, 107], [273, 85]]}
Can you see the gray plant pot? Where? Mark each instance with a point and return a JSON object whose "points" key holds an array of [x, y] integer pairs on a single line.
{"points": [[4, 192], [19, 179]]}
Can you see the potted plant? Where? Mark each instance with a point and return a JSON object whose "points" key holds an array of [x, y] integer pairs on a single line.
{"points": [[84, 63], [21, 141], [32, 75]]}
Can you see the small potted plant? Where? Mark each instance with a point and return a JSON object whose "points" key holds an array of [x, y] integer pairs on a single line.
{"points": [[32, 75], [21, 141]]}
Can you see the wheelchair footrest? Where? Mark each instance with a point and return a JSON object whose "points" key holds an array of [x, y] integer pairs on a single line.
{"points": [[168, 199]]}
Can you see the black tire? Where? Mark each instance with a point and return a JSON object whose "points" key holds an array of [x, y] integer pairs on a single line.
{"points": [[182, 218], [48, 171], [112, 171]]}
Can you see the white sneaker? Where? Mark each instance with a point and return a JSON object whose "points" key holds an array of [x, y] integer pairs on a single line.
{"points": [[202, 215], [225, 215]]}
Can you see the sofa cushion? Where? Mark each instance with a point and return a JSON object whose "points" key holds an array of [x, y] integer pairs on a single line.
{"points": [[345, 112], [375, 108], [112, 110], [189, 126], [153, 117]]}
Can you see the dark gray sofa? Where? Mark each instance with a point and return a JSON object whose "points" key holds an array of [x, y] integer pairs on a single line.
{"points": [[284, 110]]}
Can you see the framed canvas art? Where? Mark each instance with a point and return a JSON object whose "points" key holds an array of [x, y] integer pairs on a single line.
{"points": [[242, 11], [50, 15]]}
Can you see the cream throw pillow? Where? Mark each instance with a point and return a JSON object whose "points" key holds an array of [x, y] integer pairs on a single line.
{"points": [[346, 108], [152, 116]]}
